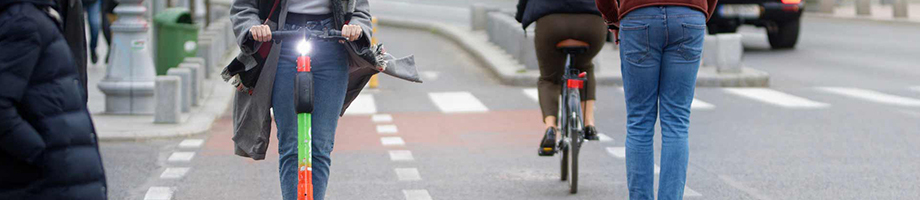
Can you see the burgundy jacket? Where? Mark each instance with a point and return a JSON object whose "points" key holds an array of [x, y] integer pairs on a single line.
{"points": [[613, 10]]}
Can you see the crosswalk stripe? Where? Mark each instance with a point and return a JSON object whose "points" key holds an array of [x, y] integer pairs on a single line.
{"points": [[381, 118], [604, 138], [392, 141], [181, 156], [690, 192], [401, 155], [417, 194], [776, 98], [386, 129], [364, 104], [533, 94], [408, 174], [696, 104], [619, 152], [457, 102], [873, 96], [191, 143], [173, 173], [158, 193]]}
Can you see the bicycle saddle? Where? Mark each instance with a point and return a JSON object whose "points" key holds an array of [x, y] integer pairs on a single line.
{"points": [[573, 46]]}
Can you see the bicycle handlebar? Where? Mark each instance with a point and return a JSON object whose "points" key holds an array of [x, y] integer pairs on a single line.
{"points": [[307, 34]]}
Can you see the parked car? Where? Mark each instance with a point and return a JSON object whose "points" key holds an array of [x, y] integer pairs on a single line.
{"points": [[782, 18]]}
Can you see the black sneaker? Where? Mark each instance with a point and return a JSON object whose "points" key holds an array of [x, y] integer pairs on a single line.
{"points": [[93, 57], [591, 133], [548, 144]]}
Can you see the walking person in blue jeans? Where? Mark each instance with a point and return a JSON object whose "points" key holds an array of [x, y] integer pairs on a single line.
{"points": [[660, 46]]}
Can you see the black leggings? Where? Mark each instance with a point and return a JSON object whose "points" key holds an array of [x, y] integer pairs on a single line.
{"points": [[552, 29]]}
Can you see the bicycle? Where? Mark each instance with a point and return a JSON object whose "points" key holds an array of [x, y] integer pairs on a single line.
{"points": [[570, 118]]}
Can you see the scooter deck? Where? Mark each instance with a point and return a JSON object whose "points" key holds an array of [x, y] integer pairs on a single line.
{"points": [[304, 157]]}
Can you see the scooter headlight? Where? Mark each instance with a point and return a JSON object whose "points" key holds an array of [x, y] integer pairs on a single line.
{"points": [[304, 47]]}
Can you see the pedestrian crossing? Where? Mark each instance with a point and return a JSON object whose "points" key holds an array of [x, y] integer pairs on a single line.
{"points": [[452, 102]]}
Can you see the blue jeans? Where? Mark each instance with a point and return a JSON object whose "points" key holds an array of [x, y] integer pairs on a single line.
{"points": [[330, 74], [94, 16], [660, 47]]}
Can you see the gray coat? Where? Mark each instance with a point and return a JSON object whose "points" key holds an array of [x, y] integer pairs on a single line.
{"points": [[251, 116]]}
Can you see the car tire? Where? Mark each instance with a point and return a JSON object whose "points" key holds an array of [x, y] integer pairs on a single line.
{"points": [[786, 35]]}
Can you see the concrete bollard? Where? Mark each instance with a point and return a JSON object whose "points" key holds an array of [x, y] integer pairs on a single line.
{"points": [[728, 53], [231, 38], [196, 82], [204, 50], [827, 6], [710, 44], [479, 16], [863, 7], [900, 8], [200, 62], [186, 87], [167, 95]]}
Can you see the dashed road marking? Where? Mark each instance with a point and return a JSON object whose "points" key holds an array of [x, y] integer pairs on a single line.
{"points": [[191, 143], [362, 105], [776, 98], [696, 104], [382, 118], [386, 129], [417, 194], [392, 141], [401, 155], [159, 193], [174, 173], [690, 192], [430, 75], [619, 152], [457, 102], [408, 174], [604, 138], [181, 156], [873, 96], [532, 94]]}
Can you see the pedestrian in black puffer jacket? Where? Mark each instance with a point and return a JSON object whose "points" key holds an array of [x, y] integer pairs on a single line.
{"points": [[48, 146]]}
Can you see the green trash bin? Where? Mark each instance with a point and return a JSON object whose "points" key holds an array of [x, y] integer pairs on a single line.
{"points": [[176, 37]]}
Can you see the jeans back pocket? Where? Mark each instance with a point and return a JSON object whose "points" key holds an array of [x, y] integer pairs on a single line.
{"points": [[634, 42], [691, 47]]}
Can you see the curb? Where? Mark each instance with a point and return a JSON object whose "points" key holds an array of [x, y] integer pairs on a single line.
{"points": [[511, 72], [197, 121], [862, 18]]}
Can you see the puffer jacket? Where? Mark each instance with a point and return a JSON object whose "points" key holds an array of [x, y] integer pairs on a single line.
{"points": [[48, 147]]}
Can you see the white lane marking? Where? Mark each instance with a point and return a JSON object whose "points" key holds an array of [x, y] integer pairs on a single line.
{"points": [[657, 169], [750, 191], [173, 173], [873, 96], [158, 193], [457, 102], [776, 98], [533, 94], [362, 105], [417, 194], [696, 104], [191, 143], [392, 141], [181, 156], [382, 118], [430, 75], [604, 138], [408, 174], [619, 152], [690, 192], [401, 155], [386, 129]]}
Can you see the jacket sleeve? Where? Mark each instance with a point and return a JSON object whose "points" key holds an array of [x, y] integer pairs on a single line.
{"points": [[362, 18], [244, 14], [610, 11], [521, 7], [18, 56], [712, 8]]}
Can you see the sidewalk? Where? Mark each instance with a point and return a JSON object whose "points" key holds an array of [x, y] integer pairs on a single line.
{"points": [[878, 12]]}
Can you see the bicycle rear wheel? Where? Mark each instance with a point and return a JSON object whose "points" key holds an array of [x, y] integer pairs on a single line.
{"points": [[574, 130]]}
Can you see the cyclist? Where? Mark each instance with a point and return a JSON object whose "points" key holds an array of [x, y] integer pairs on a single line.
{"points": [[253, 22], [558, 20], [662, 41]]}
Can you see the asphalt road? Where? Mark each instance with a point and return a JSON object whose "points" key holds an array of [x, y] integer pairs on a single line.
{"points": [[795, 140]]}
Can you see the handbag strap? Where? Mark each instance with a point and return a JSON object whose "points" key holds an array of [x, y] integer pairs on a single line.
{"points": [[272, 12]]}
